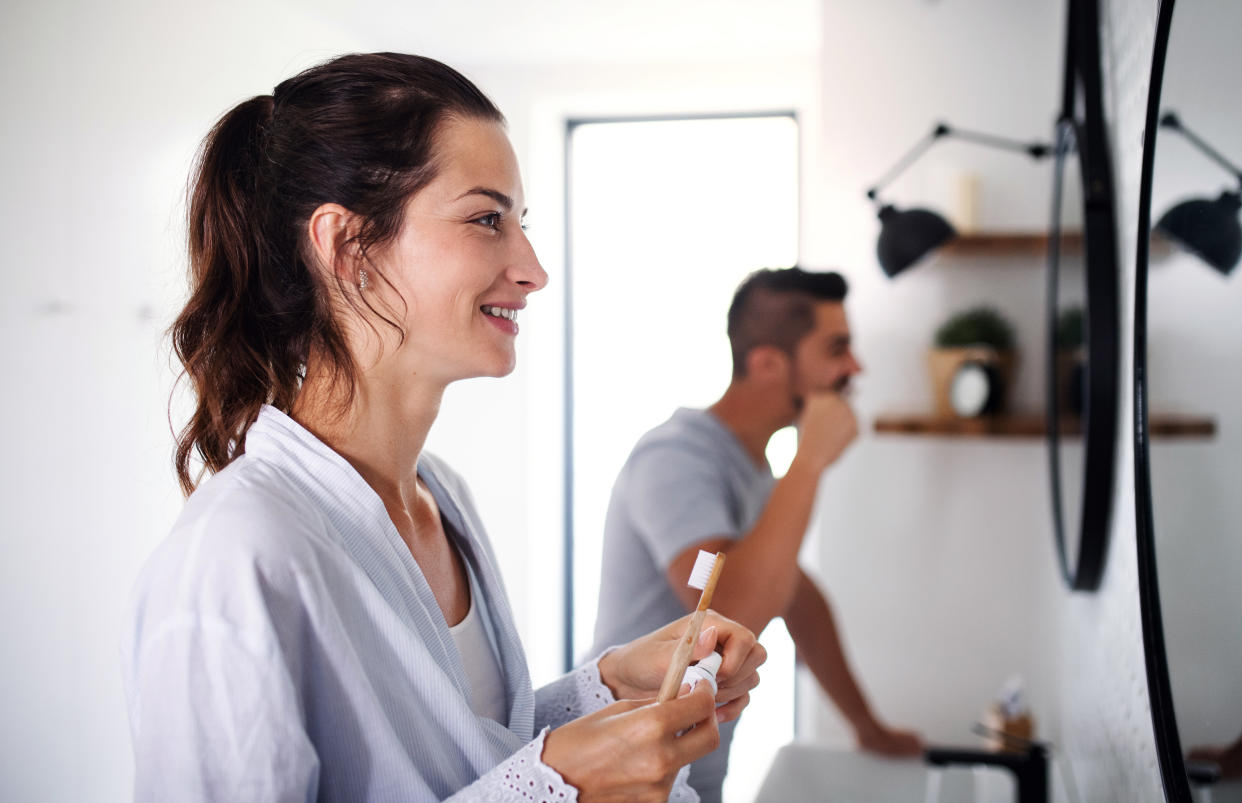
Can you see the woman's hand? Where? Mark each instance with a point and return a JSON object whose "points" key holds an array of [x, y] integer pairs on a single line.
{"points": [[632, 750], [636, 670]]}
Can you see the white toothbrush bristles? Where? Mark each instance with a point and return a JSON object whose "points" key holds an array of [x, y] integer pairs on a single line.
{"points": [[702, 570]]}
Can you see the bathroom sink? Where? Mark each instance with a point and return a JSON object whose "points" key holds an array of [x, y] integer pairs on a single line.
{"points": [[810, 772], [1228, 791]]}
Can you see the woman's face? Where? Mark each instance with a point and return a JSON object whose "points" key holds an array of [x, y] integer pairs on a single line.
{"points": [[461, 260]]}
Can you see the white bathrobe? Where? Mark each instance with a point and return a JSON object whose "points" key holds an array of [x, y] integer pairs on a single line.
{"points": [[284, 646]]}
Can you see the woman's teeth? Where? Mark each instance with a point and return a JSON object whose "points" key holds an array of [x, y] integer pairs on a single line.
{"points": [[501, 312]]}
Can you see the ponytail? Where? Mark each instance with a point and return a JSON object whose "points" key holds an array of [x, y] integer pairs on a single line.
{"points": [[219, 335]]}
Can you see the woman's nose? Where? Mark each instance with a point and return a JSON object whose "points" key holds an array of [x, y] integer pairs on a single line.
{"points": [[525, 268]]}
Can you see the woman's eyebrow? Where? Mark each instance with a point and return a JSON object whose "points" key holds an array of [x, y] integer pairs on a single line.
{"points": [[495, 195]]}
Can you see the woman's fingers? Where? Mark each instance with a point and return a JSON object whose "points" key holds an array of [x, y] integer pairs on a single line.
{"points": [[633, 749], [706, 643], [727, 692], [689, 709], [732, 709], [635, 670], [738, 646], [691, 718], [741, 655], [749, 667]]}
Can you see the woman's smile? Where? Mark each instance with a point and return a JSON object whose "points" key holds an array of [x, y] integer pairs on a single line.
{"points": [[503, 318]]}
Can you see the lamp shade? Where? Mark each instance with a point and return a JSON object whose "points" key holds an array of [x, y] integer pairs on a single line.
{"points": [[907, 236], [1208, 229]]}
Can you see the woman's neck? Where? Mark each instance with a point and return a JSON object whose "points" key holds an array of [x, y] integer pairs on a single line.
{"points": [[380, 431]]}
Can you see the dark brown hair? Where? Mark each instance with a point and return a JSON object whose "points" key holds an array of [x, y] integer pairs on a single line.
{"points": [[358, 131], [775, 307]]}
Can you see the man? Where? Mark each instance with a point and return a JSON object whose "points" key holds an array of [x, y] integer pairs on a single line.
{"points": [[701, 481]]}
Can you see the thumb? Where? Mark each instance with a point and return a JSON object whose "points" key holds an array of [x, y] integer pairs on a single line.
{"points": [[705, 645]]}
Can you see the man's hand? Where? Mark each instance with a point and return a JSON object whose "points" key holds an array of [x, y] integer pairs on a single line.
{"points": [[886, 741], [1228, 758], [825, 428]]}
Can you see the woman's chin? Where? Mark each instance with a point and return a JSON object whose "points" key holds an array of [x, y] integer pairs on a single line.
{"points": [[498, 368]]}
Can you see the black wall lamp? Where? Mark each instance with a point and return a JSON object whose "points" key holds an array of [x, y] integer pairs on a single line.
{"points": [[906, 236], [1207, 228]]}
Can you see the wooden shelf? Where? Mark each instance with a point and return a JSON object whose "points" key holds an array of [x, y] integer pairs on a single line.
{"points": [[1029, 243], [1027, 425], [1181, 426], [1000, 243]]}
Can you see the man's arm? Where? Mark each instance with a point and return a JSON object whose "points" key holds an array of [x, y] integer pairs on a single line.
{"points": [[814, 631], [761, 576], [762, 579]]}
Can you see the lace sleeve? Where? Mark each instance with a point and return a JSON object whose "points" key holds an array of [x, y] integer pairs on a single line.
{"points": [[572, 695], [581, 692], [520, 778]]}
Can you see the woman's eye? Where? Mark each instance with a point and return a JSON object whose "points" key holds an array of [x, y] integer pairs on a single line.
{"points": [[491, 220]]}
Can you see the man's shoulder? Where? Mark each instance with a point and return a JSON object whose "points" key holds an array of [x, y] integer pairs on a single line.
{"points": [[687, 426], [689, 432]]}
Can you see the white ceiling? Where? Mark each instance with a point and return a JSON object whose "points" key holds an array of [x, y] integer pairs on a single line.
{"points": [[484, 32]]}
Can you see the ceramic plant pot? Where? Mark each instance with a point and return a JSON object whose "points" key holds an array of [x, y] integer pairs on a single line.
{"points": [[944, 363]]}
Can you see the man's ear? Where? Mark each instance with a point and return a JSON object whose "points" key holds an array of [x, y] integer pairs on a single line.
{"points": [[329, 229], [767, 363]]}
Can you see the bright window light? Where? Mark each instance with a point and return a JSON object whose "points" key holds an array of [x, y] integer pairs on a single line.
{"points": [[666, 218]]}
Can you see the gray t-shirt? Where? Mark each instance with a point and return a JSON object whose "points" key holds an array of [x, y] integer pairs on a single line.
{"points": [[687, 481]]}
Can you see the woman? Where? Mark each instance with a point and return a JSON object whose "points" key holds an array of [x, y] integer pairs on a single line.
{"points": [[326, 620]]}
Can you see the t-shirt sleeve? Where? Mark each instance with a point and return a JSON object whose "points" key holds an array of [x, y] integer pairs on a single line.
{"points": [[676, 497]]}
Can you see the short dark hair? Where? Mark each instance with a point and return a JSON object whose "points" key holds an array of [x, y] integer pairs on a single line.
{"points": [[776, 307]]}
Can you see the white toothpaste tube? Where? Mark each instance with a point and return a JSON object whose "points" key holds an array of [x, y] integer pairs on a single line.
{"points": [[704, 670]]}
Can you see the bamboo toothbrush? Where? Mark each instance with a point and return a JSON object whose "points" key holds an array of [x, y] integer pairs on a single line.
{"points": [[705, 574]]}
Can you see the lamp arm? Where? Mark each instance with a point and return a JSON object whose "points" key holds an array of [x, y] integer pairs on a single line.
{"points": [[1171, 120], [1035, 149], [910, 158]]}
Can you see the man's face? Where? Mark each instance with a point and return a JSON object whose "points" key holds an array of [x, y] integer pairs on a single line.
{"points": [[823, 359]]}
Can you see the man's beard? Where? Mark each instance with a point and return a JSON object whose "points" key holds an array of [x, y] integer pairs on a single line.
{"points": [[842, 387]]}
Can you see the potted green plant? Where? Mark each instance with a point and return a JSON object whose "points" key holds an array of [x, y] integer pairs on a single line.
{"points": [[981, 338]]}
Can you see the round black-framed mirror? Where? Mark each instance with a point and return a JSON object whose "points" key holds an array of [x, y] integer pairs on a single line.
{"points": [[1081, 473], [1187, 342]]}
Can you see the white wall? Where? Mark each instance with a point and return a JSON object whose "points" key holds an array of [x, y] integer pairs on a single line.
{"points": [[938, 553]]}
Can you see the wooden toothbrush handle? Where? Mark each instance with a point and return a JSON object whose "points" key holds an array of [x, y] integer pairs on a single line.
{"points": [[681, 658]]}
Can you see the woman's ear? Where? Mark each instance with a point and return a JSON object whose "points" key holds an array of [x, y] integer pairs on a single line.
{"points": [[329, 230]]}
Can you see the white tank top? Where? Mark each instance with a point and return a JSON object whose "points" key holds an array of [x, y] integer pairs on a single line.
{"points": [[487, 683]]}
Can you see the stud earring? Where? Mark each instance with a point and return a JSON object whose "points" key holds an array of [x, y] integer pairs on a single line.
{"points": [[362, 278]]}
